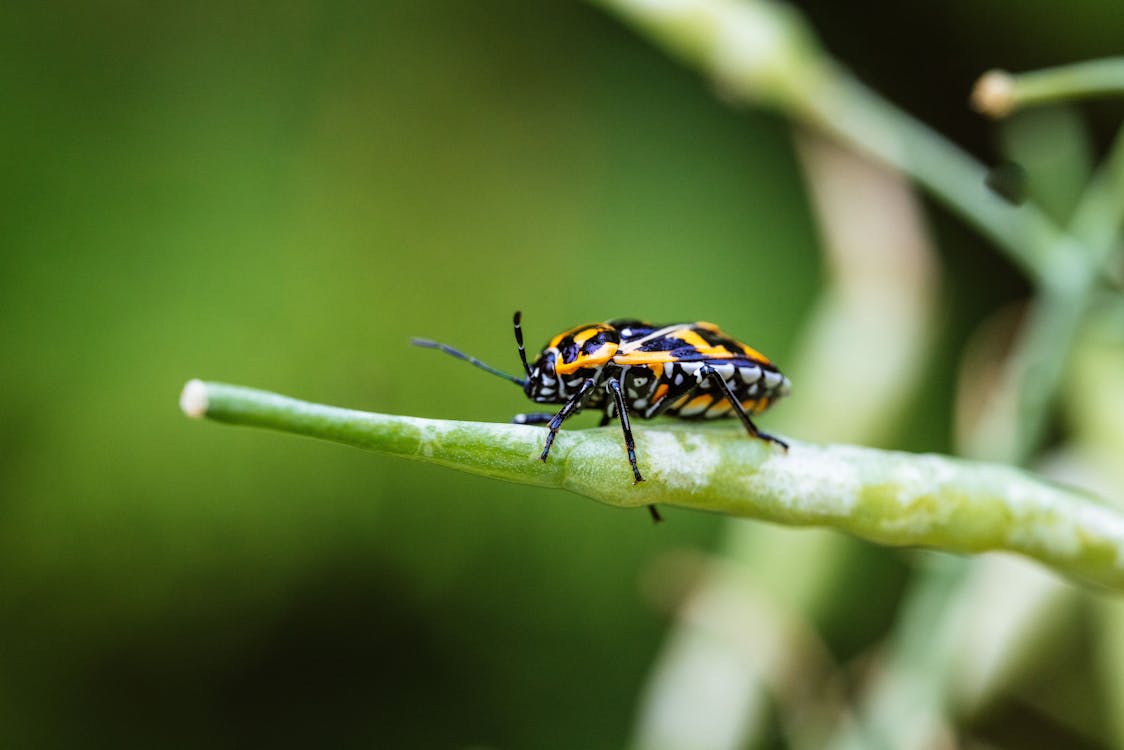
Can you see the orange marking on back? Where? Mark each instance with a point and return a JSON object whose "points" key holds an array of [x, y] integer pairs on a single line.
{"points": [[687, 336], [754, 354], [660, 393], [581, 335], [595, 358], [652, 359], [648, 359], [590, 331], [699, 344]]}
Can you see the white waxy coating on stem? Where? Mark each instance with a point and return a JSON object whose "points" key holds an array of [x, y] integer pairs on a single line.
{"points": [[193, 399], [431, 436], [830, 483], [681, 461], [434, 435], [809, 481]]}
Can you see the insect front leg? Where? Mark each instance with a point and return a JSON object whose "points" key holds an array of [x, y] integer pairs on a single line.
{"points": [[571, 406], [720, 384]]}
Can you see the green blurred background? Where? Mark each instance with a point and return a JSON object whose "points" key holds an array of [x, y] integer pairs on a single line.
{"points": [[280, 195]]}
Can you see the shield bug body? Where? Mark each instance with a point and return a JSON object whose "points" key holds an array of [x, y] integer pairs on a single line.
{"points": [[629, 368]]}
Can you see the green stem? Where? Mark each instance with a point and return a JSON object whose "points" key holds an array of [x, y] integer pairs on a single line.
{"points": [[1040, 360], [762, 51], [844, 107], [998, 93], [887, 497], [1011, 426], [1099, 214]]}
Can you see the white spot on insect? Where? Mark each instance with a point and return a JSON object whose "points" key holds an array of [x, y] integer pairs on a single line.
{"points": [[626, 332], [546, 380], [679, 378], [750, 374], [691, 368], [773, 378], [640, 379], [640, 403], [725, 370]]}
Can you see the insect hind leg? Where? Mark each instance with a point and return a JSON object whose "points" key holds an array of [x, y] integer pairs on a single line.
{"points": [[720, 383]]}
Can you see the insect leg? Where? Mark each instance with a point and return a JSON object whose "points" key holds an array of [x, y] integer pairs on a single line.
{"points": [[724, 389], [606, 418], [538, 417], [615, 388], [571, 406]]}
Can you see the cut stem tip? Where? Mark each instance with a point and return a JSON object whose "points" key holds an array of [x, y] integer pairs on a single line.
{"points": [[193, 400], [994, 94]]}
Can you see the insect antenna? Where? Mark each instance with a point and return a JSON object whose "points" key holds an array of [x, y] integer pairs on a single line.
{"points": [[427, 344], [518, 322]]}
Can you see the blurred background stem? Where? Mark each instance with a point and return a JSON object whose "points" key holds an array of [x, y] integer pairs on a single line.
{"points": [[999, 93], [761, 51], [847, 109]]}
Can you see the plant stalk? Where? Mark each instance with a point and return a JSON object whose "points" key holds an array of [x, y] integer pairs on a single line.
{"points": [[888, 497]]}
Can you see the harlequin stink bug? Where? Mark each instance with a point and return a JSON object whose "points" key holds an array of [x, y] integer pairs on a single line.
{"points": [[627, 367]]}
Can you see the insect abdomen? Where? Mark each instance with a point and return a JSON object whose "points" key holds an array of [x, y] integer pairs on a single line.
{"points": [[753, 385]]}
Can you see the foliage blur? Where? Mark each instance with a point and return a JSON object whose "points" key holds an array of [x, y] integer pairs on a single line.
{"points": [[280, 195]]}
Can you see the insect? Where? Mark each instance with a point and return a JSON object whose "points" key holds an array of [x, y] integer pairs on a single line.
{"points": [[628, 367]]}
